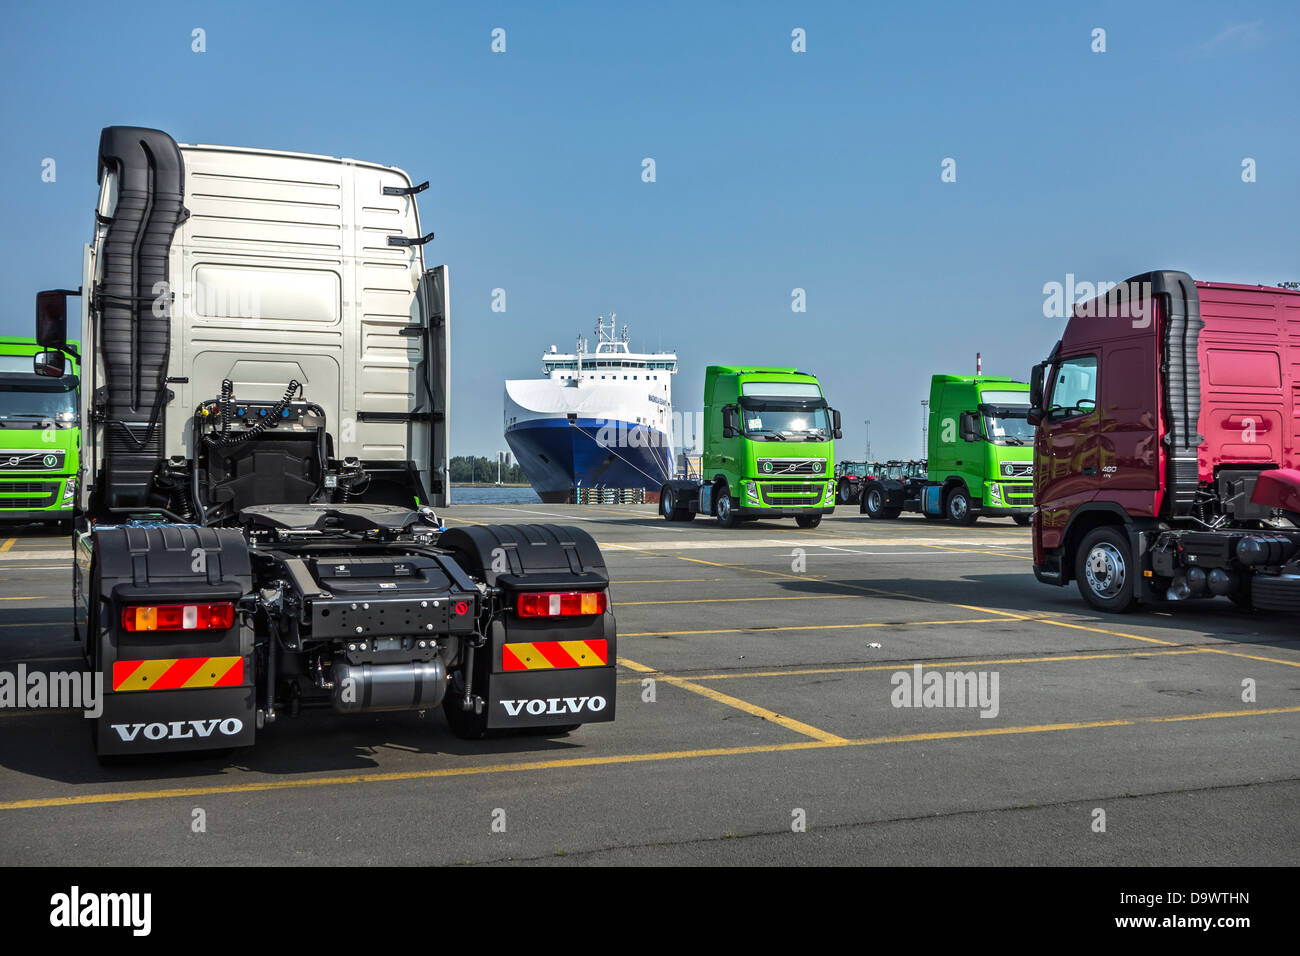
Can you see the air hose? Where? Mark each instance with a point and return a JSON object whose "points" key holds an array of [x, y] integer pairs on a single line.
{"points": [[225, 439]]}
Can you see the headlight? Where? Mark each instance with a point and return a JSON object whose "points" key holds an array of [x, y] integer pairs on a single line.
{"points": [[751, 491], [70, 489], [830, 493], [995, 491]]}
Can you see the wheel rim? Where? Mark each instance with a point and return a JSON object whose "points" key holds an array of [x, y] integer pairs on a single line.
{"points": [[668, 502], [957, 506], [874, 501], [1105, 570], [724, 509]]}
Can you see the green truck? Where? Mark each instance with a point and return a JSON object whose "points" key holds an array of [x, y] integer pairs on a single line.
{"points": [[769, 450], [40, 437], [981, 450]]}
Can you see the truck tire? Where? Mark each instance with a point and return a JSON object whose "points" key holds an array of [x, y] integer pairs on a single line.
{"points": [[725, 509], [808, 521], [465, 724], [1105, 571], [845, 492], [959, 508], [873, 503], [672, 508]]}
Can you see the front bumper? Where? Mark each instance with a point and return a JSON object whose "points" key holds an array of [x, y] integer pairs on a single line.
{"points": [[1004, 511], [784, 512], [1005, 499], [43, 514]]}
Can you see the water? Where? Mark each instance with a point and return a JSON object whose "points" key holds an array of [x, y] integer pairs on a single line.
{"points": [[494, 496]]}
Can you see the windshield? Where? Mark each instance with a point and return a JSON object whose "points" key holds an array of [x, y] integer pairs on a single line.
{"points": [[855, 468], [38, 402], [774, 421], [1007, 426]]}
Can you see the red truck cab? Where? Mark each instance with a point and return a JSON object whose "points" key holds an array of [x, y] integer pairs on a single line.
{"points": [[1158, 411]]}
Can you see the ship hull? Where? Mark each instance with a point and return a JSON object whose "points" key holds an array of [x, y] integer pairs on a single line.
{"points": [[558, 455]]}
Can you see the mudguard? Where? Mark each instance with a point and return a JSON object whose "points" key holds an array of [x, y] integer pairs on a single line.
{"points": [[171, 690], [538, 672]]}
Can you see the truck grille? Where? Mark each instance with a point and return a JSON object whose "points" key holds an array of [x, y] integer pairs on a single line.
{"points": [[1018, 496], [29, 460], [789, 493], [772, 467], [29, 487], [1018, 469]]}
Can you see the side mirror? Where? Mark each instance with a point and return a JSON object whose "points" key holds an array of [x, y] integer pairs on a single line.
{"points": [[1035, 417], [730, 421], [49, 364], [968, 427], [835, 424], [1036, 385], [52, 318]]}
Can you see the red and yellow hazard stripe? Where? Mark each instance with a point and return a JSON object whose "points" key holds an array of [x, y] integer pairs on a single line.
{"points": [[545, 655], [178, 673]]}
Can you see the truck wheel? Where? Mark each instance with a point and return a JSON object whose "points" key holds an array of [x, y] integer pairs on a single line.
{"points": [[959, 508], [845, 493], [807, 521], [873, 503], [1022, 520], [667, 504], [465, 724], [726, 511], [1104, 568]]}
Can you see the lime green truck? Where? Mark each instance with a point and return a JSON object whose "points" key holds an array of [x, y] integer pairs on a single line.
{"points": [[769, 450], [40, 437], [981, 456]]}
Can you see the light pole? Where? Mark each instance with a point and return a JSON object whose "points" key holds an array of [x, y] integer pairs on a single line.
{"points": [[867, 449], [925, 427]]}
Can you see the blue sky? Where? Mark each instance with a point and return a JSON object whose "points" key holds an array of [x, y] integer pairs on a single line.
{"points": [[775, 170]]}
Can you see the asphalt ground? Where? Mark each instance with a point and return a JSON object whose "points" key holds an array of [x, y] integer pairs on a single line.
{"points": [[760, 668]]}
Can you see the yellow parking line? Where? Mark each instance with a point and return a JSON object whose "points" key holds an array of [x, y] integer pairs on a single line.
{"points": [[610, 760], [1152, 640], [789, 723], [667, 581], [997, 554], [856, 587], [815, 627], [30, 597], [743, 600], [903, 665], [8, 544]]}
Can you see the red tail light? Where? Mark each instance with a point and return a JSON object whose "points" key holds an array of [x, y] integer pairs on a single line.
{"points": [[179, 617], [561, 603]]}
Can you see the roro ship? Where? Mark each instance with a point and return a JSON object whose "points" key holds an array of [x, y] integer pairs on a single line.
{"points": [[599, 418]]}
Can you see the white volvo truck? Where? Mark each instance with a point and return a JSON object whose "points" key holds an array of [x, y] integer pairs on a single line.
{"points": [[265, 394]]}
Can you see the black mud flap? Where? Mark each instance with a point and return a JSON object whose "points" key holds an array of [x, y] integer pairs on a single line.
{"points": [[165, 721], [540, 672], [580, 695], [170, 691]]}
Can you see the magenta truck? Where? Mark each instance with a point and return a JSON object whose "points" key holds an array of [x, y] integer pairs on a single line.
{"points": [[1165, 452]]}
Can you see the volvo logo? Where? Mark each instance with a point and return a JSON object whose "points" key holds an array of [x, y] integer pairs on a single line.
{"points": [[554, 705], [180, 729]]}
